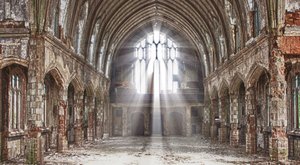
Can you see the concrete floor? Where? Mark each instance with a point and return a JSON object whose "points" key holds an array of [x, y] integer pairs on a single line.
{"points": [[155, 150]]}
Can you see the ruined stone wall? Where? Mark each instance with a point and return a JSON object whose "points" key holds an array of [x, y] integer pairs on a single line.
{"points": [[17, 10], [244, 63]]}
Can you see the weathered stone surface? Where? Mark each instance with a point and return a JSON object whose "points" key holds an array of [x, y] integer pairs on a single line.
{"points": [[289, 45]]}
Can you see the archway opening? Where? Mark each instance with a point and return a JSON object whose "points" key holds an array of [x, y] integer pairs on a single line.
{"points": [[157, 68]]}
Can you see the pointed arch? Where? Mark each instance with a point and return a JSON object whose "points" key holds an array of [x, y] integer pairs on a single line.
{"points": [[56, 73], [98, 92], [224, 86], [90, 88], [77, 83], [214, 92], [236, 81], [255, 71], [11, 61]]}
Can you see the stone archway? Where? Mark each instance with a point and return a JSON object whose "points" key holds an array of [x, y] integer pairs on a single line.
{"points": [[71, 115], [214, 115], [137, 124], [50, 115], [262, 112], [176, 124], [242, 124], [225, 129]]}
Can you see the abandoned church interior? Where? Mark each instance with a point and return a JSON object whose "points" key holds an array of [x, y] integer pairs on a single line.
{"points": [[86, 70]]}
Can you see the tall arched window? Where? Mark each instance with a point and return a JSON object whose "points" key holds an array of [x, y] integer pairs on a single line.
{"points": [[156, 58], [80, 27], [295, 106], [14, 89], [256, 20], [55, 20], [91, 58], [15, 101]]}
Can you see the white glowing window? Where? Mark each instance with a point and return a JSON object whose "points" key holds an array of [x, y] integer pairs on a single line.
{"points": [[156, 58], [15, 95]]}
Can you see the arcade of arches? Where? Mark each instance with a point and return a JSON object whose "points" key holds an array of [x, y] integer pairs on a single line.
{"points": [[75, 71]]}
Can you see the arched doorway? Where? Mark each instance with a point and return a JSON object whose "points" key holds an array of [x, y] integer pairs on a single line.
{"points": [[71, 115], [175, 124], [85, 116], [262, 112], [50, 115], [225, 115], [137, 124], [242, 121]]}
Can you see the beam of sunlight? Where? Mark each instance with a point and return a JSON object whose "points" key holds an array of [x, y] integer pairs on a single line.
{"points": [[156, 109]]}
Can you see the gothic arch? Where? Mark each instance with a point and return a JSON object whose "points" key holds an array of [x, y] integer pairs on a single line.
{"points": [[223, 87], [57, 75], [77, 83], [11, 61], [237, 79], [214, 93], [255, 72], [90, 89]]}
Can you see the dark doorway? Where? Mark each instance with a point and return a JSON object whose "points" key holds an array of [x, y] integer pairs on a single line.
{"points": [[71, 117], [137, 124], [175, 124]]}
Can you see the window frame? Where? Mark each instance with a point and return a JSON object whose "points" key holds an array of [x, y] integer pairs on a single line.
{"points": [[295, 114], [147, 51], [19, 124]]}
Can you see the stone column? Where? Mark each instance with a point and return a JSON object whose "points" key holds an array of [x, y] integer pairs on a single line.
{"points": [[278, 116], [165, 122], [147, 122], [125, 122], [251, 122], [35, 92], [213, 126], [106, 118], [101, 119], [98, 118], [206, 120], [234, 133], [62, 143], [78, 118], [91, 108], [188, 121], [223, 128]]}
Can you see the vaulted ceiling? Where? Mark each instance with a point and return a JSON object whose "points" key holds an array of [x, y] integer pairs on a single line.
{"points": [[204, 23]]}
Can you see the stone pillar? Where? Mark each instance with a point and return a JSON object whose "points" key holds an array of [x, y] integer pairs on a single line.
{"points": [[278, 116], [251, 122], [98, 118], [91, 108], [125, 122], [62, 143], [106, 118], [101, 119], [78, 118], [206, 120], [223, 129], [165, 123], [35, 92], [213, 126], [188, 121], [234, 133], [147, 123]]}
